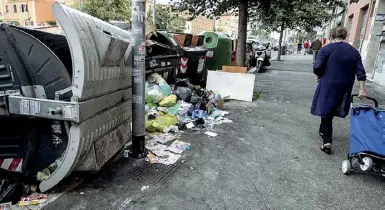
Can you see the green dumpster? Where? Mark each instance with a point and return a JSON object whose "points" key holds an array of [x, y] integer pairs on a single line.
{"points": [[219, 46]]}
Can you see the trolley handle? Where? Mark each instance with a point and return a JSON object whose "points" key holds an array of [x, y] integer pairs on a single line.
{"points": [[369, 98]]}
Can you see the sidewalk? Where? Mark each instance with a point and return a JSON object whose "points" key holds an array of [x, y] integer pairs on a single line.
{"points": [[268, 159]]}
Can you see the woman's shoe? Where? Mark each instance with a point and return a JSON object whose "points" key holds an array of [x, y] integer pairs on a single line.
{"points": [[327, 148]]}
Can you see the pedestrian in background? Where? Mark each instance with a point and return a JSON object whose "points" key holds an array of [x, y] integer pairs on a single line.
{"points": [[336, 67], [316, 45], [299, 47], [306, 46]]}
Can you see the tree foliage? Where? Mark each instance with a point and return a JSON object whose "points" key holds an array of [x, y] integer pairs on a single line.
{"points": [[107, 9], [167, 21], [261, 33], [215, 8], [294, 14]]}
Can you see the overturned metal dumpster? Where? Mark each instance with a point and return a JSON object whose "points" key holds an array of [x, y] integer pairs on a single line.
{"points": [[65, 101]]}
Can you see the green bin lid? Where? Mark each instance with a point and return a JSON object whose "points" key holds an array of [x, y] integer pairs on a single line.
{"points": [[211, 38]]}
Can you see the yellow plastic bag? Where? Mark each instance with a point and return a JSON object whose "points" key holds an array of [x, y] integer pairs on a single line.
{"points": [[168, 101], [160, 123]]}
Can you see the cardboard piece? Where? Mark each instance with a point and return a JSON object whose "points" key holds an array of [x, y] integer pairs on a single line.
{"points": [[236, 85], [234, 69]]}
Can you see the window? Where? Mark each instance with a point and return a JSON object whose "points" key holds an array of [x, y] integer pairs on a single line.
{"points": [[26, 23], [14, 8], [22, 8], [31, 23], [6, 9]]}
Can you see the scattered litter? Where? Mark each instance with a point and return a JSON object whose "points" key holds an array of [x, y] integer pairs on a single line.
{"points": [[144, 188], [190, 125], [178, 147], [81, 193], [33, 199], [211, 134], [170, 109], [43, 175], [6, 206], [170, 159], [171, 128], [126, 153], [159, 150], [191, 168], [164, 138]]}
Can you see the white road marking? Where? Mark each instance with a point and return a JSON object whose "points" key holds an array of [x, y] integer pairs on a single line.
{"points": [[124, 204]]}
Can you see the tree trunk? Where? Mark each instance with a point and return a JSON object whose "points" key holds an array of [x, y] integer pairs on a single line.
{"points": [[280, 41], [242, 33]]}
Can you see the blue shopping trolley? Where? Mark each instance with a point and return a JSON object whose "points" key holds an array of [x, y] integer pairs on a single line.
{"points": [[367, 138]]}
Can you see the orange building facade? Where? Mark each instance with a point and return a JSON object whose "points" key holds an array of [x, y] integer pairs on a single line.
{"points": [[27, 12]]}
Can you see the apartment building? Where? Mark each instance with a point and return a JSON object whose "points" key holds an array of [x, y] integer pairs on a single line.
{"points": [[28, 12], [228, 24], [363, 29], [197, 25], [365, 21]]}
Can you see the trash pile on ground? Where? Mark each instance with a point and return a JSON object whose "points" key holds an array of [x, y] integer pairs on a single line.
{"points": [[171, 109]]}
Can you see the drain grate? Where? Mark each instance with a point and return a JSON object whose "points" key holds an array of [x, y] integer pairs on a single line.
{"points": [[154, 175]]}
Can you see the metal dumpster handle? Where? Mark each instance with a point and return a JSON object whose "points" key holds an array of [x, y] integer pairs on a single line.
{"points": [[369, 98]]}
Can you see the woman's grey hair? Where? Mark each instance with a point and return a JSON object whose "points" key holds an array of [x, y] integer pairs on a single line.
{"points": [[341, 33]]}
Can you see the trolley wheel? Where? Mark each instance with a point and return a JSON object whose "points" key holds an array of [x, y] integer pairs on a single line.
{"points": [[368, 164], [346, 167]]}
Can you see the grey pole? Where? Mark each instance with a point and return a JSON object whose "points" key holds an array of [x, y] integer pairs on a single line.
{"points": [[153, 12], [138, 76]]}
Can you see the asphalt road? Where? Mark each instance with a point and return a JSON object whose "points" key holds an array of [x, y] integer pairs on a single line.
{"points": [[268, 159]]}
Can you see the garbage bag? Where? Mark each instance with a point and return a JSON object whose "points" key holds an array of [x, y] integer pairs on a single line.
{"points": [[165, 88], [161, 122], [183, 93], [153, 93], [174, 110], [162, 84], [182, 83], [195, 98], [148, 125], [168, 101]]}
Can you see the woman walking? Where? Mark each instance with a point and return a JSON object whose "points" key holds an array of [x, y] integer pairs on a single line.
{"points": [[336, 67]]}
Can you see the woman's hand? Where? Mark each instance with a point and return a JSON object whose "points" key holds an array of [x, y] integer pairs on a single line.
{"points": [[317, 79], [363, 94]]}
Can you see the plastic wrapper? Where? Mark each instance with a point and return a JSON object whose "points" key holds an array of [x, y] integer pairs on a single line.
{"points": [[160, 123], [153, 93], [168, 101], [199, 114], [183, 93]]}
